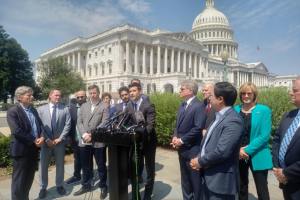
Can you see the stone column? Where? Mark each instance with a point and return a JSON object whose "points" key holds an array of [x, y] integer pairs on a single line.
{"points": [[69, 59], [151, 60], [195, 66], [178, 60], [121, 59], [73, 62], [127, 58], [79, 67], [136, 63], [166, 60], [144, 60], [158, 59], [184, 62], [172, 60]]}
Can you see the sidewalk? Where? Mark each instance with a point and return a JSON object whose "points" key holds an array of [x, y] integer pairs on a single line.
{"points": [[167, 182]]}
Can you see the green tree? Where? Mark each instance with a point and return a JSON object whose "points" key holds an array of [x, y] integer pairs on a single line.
{"points": [[15, 67], [56, 73]]}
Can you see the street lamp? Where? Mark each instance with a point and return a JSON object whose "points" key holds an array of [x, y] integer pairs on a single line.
{"points": [[224, 57]]}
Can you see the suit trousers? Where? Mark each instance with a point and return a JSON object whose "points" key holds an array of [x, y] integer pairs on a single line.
{"points": [[291, 193], [148, 152], [190, 180], [260, 179], [23, 175], [86, 153], [77, 162], [59, 155]]}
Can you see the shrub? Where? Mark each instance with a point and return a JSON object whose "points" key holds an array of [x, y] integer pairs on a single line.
{"points": [[166, 106], [4, 151]]}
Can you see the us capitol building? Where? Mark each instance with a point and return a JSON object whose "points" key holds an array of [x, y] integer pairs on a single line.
{"points": [[160, 59]]}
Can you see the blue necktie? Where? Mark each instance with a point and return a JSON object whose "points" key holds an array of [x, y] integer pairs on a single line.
{"points": [[53, 120], [32, 122], [135, 106], [287, 139]]}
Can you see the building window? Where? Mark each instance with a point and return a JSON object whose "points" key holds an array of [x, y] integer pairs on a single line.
{"points": [[96, 54], [90, 55], [109, 50], [102, 52], [109, 87], [103, 66], [90, 71], [110, 67]]}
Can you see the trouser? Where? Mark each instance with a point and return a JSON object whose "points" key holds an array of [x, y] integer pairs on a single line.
{"points": [[86, 154], [59, 155], [23, 175], [291, 192], [190, 180], [77, 161], [260, 179]]}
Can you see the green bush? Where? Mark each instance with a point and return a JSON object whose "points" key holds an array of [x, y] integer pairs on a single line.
{"points": [[166, 106], [4, 151]]}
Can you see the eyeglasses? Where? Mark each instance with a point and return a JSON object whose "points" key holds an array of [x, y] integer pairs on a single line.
{"points": [[246, 93]]}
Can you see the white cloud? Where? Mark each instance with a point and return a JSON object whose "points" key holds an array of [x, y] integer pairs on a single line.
{"points": [[59, 17], [135, 6]]}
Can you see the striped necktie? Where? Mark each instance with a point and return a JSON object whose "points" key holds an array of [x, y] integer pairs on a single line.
{"points": [[287, 139]]}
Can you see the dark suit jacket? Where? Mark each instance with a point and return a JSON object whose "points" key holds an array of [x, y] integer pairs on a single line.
{"points": [[189, 126], [73, 113], [22, 143], [148, 111], [220, 161], [292, 156]]}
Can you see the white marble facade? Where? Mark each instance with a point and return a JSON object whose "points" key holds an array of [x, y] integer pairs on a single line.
{"points": [[160, 59]]}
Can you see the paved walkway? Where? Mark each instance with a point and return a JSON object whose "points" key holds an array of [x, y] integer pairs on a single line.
{"points": [[167, 183]]}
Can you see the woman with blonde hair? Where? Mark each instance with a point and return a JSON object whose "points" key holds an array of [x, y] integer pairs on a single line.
{"points": [[254, 152]]}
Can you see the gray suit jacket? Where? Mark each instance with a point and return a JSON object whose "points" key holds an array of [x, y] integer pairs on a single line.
{"points": [[87, 120], [63, 121], [220, 161]]}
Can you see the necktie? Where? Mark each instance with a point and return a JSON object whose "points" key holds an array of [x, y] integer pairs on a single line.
{"points": [[53, 120], [124, 106], [32, 122], [135, 106], [287, 139]]}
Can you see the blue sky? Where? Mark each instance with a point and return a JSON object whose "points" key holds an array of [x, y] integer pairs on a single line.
{"points": [[271, 25]]}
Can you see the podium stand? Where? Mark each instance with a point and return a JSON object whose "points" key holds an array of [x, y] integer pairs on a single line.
{"points": [[119, 143]]}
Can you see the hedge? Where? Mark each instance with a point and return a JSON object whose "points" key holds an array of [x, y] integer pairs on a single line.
{"points": [[167, 104], [4, 151]]}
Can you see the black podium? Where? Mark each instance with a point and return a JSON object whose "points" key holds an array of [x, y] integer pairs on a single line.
{"points": [[119, 143]]}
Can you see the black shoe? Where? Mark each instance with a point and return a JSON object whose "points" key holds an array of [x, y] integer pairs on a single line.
{"points": [[43, 193], [61, 190], [103, 193], [82, 191], [73, 180]]}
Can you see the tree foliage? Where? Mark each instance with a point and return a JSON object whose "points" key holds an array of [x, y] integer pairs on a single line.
{"points": [[57, 74], [15, 67]]}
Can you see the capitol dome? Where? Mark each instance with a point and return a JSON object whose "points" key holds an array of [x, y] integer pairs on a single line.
{"points": [[210, 16], [211, 27]]}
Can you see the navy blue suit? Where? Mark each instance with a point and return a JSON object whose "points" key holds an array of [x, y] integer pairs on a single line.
{"points": [[189, 125], [23, 151], [219, 164], [292, 159]]}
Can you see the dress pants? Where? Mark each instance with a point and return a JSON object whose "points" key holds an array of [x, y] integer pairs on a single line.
{"points": [[59, 155], [209, 195], [148, 152], [86, 154], [23, 174], [77, 162], [260, 179], [190, 180], [291, 192]]}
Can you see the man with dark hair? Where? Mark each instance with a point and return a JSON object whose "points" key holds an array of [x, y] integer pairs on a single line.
{"points": [[219, 154], [124, 96], [138, 81], [138, 104], [74, 108], [92, 114], [286, 148], [187, 136]]}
